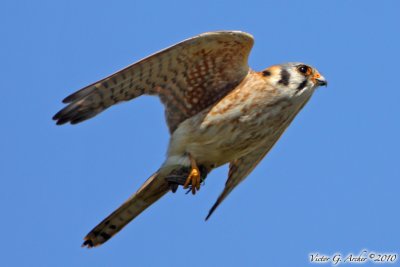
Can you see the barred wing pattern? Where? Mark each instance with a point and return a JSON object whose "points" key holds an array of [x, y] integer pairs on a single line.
{"points": [[188, 77]]}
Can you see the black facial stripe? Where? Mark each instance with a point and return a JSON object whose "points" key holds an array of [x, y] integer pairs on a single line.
{"points": [[302, 85], [266, 73], [285, 77]]}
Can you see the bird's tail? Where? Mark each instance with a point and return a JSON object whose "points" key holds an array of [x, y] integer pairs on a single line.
{"points": [[152, 190]]}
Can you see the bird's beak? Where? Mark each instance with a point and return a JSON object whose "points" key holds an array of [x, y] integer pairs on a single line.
{"points": [[320, 80]]}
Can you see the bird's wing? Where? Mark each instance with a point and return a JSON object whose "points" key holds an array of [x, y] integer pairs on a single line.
{"points": [[188, 77], [238, 171]]}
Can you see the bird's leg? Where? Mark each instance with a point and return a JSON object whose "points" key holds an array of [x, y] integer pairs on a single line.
{"points": [[194, 178]]}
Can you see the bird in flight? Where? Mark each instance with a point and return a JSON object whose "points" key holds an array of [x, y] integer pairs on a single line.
{"points": [[217, 109]]}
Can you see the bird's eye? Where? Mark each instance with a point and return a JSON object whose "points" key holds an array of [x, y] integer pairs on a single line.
{"points": [[304, 69]]}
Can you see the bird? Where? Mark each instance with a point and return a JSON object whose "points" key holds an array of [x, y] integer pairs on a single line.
{"points": [[218, 111]]}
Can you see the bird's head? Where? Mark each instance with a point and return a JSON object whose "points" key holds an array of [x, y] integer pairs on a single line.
{"points": [[294, 79]]}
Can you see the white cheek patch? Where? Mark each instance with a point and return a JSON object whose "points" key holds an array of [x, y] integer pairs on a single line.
{"points": [[296, 81]]}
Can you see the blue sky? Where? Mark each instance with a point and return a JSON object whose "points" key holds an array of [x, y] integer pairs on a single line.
{"points": [[331, 184]]}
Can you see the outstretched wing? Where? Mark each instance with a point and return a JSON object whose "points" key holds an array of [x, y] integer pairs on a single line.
{"points": [[188, 77]]}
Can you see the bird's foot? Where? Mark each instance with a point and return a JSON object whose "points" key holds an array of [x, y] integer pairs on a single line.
{"points": [[194, 177], [180, 176]]}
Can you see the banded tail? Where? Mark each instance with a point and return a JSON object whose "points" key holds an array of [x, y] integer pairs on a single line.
{"points": [[153, 189]]}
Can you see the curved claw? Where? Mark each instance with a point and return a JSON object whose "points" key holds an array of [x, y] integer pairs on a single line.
{"points": [[194, 177]]}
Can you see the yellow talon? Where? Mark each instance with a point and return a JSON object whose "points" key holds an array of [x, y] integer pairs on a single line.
{"points": [[194, 177]]}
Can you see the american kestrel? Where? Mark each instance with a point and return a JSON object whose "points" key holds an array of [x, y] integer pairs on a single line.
{"points": [[218, 111]]}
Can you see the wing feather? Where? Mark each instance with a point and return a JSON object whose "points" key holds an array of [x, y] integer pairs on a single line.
{"points": [[188, 77], [238, 171]]}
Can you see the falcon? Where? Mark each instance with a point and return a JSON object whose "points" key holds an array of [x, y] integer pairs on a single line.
{"points": [[217, 109]]}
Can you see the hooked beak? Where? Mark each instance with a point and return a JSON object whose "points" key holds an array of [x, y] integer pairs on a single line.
{"points": [[321, 81]]}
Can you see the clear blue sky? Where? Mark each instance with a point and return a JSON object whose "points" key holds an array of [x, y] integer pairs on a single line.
{"points": [[331, 184]]}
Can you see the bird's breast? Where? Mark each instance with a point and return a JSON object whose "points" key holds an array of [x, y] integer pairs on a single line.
{"points": [[231, 129]]}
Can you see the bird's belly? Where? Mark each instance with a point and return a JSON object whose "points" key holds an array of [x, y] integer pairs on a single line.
{"points": [[225, 144], [219, 143]]}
